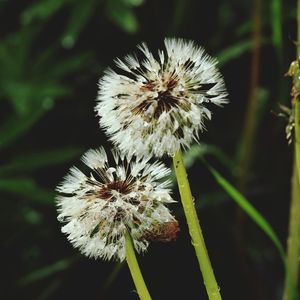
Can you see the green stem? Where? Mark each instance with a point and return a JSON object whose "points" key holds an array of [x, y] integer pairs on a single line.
{"points": [[135, 269], [249, 134], [187, 200], [293, 242], [297, 135]]}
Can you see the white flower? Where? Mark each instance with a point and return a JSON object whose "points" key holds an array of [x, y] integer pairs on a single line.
{"points": [[157, 105], [98, 209]]}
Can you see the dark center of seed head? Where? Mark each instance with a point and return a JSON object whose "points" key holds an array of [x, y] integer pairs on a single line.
{"points": [[121, 187], [164, 100]]}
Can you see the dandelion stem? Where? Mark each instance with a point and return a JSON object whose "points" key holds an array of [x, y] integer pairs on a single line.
{"points": [[135, 269], [210, 282]]}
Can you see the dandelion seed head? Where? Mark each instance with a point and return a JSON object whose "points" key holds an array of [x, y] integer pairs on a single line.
{"points": [[159, 105], [97, 209]]}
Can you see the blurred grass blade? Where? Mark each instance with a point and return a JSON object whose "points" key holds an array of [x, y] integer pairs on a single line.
{"points": [[80, 15], [276, 19], [69, 65], [41, 10], [28, 189], [50, 289], [248, 208], [181, 11], [47, 271], [15, 127], [112, 276], [234, 51], [122, 14], [34, 161], [197, 152]]}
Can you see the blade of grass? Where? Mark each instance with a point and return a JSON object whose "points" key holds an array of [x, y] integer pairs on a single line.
{"points": [[122, 15], [276, 19], [233, 52], [248, 208], [80, 15], [41, 10], [15, 127], [46, 271], [28, 189], [260, 222], [34, 161], [236, 50], [112, 276]]}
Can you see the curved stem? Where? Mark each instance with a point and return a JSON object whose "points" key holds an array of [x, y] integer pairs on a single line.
{"points": [[135, 269], [195, 231]]}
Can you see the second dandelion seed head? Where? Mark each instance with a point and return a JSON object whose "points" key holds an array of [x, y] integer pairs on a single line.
{"points": [[155, 106], [98, 209]]}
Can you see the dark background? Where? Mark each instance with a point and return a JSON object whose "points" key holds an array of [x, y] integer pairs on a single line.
{"points": [[52, 53]]}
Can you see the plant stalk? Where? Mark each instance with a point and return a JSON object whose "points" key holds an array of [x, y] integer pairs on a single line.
{"points": [[293, 242], [297, 135], [195, 231], [135, 269]]}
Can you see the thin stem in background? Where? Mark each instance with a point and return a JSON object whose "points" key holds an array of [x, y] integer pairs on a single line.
{"points": [[250, 126], [135, 269], [195, 231], [252, 279]]}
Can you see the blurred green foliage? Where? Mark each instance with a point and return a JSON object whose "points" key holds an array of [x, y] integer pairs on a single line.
{"points": [[52, 53]]}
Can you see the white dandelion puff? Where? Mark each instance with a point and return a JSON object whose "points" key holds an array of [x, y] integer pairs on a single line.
{"points": [[98, 209], [158, 105]]}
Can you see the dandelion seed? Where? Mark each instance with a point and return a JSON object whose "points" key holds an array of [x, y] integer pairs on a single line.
{"points": [[159, 105], [97, 210]]}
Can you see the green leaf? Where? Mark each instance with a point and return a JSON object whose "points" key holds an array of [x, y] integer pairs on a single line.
{"points": [[27, 96], [234, 51], [17, 126], [134, 2], [46, 271], [249, 209], [41, 10], [69, 66], [276, 19], [122, 15], [197, 152], [27, 188], [113, 275], [34, 161], [80, 15], [14, 53]]}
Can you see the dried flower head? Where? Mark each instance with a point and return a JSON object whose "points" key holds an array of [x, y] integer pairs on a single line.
{"points": [[98, 209], [157, 105]]}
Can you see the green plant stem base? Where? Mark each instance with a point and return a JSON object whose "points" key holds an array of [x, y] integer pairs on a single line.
{"points": [[135, 269], [195, 231]]}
